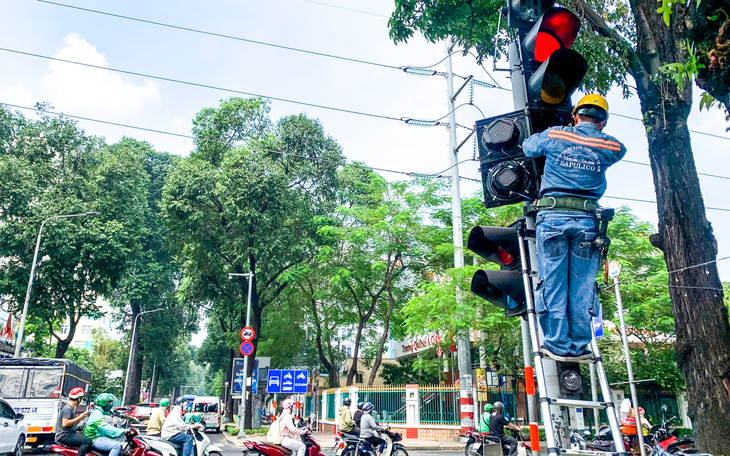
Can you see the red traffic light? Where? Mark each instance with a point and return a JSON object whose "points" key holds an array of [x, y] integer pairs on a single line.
{"points": [[556, 29]]}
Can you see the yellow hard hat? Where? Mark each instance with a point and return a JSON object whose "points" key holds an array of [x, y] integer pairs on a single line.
{"points": [[593, 105]]}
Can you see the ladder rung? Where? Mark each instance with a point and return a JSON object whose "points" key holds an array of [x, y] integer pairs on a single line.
{"points": [[579, 403], [589, 452]]}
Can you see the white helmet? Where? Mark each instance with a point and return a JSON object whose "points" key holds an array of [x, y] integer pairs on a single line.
{"points": [[288, 403]]}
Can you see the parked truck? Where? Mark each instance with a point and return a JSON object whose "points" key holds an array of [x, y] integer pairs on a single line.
{"points": [[38, 388]]}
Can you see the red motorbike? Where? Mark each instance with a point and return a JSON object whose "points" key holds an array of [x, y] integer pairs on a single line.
{"points": [[135, 447], [255, 448]]}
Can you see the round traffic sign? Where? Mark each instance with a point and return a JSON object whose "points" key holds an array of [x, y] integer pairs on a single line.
{"points": [[248, 333], [246, 348], [614, 269]]}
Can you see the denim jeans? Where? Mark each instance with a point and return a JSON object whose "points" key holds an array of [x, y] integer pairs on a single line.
{"points": [[107, 444], [186, 440], [567, 297]]}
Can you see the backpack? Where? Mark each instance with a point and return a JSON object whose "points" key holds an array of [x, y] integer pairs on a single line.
{"points": [[273, 435]]}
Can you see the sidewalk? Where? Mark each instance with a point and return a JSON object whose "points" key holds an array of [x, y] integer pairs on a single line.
{"points": [[327, 441]]}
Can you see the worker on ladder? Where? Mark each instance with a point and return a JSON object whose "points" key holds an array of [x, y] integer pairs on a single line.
{"points": [[576, 160]]}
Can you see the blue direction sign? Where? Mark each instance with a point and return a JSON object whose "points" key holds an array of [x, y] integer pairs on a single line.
{"points": [[287, 381], [598, 323]]}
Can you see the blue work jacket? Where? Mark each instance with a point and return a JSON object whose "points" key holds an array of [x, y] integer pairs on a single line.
{"points": [[576, 159]]}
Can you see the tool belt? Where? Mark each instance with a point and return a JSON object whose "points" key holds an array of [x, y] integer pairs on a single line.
{"points": [[565, 203]]}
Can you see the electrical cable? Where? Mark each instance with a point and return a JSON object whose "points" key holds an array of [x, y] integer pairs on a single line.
{"points": [[348, 9], [698, 173], [219, 35], [659, 274], [407, 173]]}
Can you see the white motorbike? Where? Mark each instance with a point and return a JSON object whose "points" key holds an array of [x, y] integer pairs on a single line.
{"points": [[350, 445], [201, 445]]}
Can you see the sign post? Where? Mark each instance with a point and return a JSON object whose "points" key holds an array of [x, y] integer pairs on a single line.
{"points": [[244, 395]]}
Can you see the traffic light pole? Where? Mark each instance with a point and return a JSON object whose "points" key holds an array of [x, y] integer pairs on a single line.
{"points": [[463, 344]]}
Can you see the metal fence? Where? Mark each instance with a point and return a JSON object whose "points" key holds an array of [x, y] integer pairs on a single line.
{"points": [[439, 404], [389, 403]]}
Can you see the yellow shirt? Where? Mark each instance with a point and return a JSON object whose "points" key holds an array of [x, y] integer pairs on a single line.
{"points": [[154, 425]]}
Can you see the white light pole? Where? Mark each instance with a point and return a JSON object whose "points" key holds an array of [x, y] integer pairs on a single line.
{"points": [[244, 387], [19, 343], [131, 347]]}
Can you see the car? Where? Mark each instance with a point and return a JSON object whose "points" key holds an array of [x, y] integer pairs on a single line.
{"points": [[143, 412], [12, 430]]}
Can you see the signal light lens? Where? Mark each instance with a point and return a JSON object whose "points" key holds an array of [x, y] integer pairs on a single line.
{"points": [[557, 29]]}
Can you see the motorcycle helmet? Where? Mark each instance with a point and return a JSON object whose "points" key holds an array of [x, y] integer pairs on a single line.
{"points": [[165, 402], [105, 401], [498, 407], [76, 393], [287, 404], [346, 401], [488, 408], [367, 406], [359, 405]]}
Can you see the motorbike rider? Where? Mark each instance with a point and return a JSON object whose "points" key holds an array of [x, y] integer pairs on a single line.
{"points": [[154, 425], [358, 415], [288, 431], [175, 429], [484, 420], [645, 424], [101, 433], [66, 433], [368, 428], [496, 427], [344, 419]]}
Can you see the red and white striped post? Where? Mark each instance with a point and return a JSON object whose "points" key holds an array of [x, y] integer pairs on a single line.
{"points": [[467, 405]]}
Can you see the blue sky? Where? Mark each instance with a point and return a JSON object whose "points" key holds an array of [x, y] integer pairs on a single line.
{"points": [[42, 28]]}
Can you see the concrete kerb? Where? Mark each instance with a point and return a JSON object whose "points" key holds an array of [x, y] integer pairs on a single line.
{"points": [[327, 441]]}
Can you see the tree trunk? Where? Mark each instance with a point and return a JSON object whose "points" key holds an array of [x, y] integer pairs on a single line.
{"points": [[63, 344], [383, 338], [229, 391], [355, 352], [334, 378], [135, 367], [689, 246]]}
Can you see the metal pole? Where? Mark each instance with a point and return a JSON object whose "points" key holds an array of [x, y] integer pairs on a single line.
{"points": [[152, 383], [594, 398], [463, 345], [244, 387], [21, 330], [629, 367], [131, 349]]}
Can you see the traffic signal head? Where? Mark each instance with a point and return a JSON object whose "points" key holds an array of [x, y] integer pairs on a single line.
{"points": [[507, 175], [504, 288], [570, 380], [524, 13], [552, 70]]}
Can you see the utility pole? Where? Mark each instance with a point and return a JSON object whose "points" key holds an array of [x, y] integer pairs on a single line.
{"points": [[463, 344]]}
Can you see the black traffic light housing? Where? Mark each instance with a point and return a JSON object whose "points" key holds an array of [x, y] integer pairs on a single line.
{"points": [[570, 380], [507, 175], [503, 288]]}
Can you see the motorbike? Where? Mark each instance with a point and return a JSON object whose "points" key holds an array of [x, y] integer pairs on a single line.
{"points": [[256, 448], [667, 442], [134, 444], [602, 442], [485, 444], [351, 445], [201, 445]]}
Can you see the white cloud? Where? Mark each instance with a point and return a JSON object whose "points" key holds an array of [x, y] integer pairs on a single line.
{"points": [[73, 86]]}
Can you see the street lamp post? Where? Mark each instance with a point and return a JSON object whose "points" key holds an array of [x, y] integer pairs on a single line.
{"points": [[244, 387], [19, 343], [131, 347]]}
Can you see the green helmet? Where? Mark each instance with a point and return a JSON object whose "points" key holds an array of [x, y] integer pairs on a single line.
{"points": [[488, 408], [165, 402], [105, 401]]}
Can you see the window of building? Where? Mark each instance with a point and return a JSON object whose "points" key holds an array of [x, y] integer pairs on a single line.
{"points": [[358, 378], [86, 330]]}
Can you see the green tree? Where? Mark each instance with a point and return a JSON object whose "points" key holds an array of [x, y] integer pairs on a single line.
{"points": [[244, 201], [629, 39]]}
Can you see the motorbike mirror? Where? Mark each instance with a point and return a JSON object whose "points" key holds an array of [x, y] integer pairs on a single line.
{"points": [[665, 409], [586, 433]]}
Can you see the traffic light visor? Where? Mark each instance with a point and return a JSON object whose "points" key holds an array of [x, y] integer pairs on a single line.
{"points": [[504, 289], [557, 29], [556, 79], [496, 244]]}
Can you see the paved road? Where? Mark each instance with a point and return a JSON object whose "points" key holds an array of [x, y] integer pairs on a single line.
{"points": [[230, 450]]}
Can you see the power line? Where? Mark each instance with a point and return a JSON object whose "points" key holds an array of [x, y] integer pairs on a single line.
{"points": [[219, 35], [347, 9], [698, 173], [406, 173], [406, 120]]}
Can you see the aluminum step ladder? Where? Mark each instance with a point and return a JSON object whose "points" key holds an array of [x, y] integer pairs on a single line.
{"points": [[547, 402]]}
